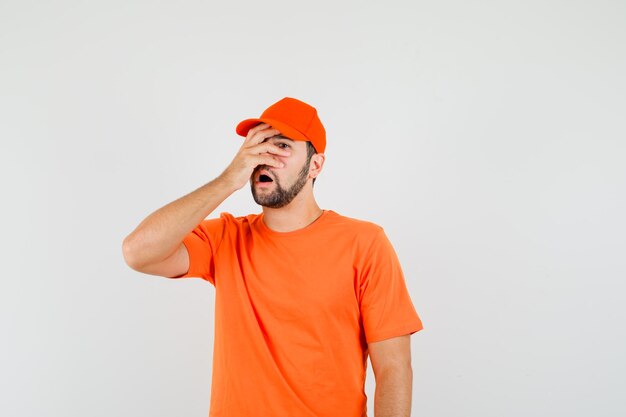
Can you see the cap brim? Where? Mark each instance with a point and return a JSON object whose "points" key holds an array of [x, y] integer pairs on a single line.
{"points": [[245, 125]]}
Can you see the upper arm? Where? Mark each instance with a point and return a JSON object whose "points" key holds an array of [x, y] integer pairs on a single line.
{"points": [[173, 266], [384, 301], [392, 353]]}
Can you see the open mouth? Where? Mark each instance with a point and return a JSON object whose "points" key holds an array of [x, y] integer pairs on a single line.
{"points": [[265, 178]]}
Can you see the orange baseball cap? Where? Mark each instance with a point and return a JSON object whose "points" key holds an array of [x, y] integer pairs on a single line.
{"points": [[295, 119]]}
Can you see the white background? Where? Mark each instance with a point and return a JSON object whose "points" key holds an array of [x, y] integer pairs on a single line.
{"points": [[486, 137]]}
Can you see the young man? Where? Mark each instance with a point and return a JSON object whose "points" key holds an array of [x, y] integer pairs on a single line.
{"points": [[303, 294]]}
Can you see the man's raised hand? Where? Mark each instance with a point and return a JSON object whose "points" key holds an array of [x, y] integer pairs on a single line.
{"points": [[253, 152]]}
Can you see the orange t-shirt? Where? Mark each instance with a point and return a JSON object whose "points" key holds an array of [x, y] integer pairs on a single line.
{"points": [[294, 312]]}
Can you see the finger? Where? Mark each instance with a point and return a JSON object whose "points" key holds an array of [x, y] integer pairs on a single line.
{"points": [[261, 135], [265, 159], [257, 128], [267, 147]]}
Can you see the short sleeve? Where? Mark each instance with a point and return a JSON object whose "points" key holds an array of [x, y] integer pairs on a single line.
{"points": [[202, 243], [386, 307]]}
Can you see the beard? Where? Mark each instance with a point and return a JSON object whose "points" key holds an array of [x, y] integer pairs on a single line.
{"points": [[280, 196]]}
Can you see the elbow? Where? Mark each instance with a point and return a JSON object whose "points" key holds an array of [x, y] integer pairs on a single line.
{"points": [[130, 254]]}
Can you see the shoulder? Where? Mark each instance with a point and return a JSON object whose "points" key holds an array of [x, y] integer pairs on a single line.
{"points": [[226, 226], [366, 239], [355, 227], [231, 218], [232, 222]]}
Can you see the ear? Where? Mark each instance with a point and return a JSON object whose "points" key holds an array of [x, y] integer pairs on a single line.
{"points": [[316, 165]]}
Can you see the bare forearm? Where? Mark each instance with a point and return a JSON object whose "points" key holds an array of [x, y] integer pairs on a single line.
{"points": [[393, 393], [162, 232], [159, 234]]}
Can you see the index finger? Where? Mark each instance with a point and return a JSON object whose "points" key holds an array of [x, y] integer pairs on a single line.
{"points": [[260, 135], [255, 129]]}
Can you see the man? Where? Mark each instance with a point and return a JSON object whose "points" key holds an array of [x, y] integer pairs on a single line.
{"points": [[303, 294]]}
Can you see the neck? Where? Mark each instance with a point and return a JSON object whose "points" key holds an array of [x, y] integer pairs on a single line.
{"points": [[302, 211]]}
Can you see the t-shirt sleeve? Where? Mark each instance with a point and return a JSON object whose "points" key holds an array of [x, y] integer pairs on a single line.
{"points": [[386, 307], [202, 243]]}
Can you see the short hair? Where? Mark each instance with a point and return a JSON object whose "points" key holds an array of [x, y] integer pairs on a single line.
{"points": [[310, 151]]}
